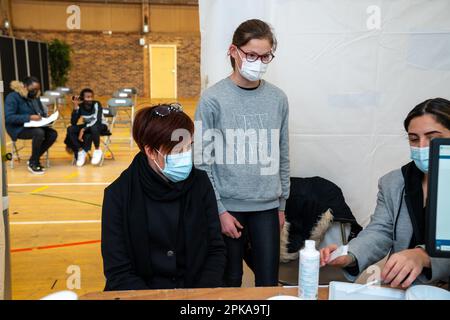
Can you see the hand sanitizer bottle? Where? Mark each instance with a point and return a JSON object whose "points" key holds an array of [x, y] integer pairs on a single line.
{"points": [[308, 273]]}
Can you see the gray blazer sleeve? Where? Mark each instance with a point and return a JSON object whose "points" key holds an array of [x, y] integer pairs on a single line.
{"points": [[440, 270], [374, 242]]}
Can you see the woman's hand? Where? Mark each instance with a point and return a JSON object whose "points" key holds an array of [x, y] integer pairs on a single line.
{"points": [[35, 117], [282, 219], [404, 267], [341, 261], [229, 225]]}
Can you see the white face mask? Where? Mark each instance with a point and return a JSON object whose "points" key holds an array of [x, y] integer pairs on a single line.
{"points": [[252, 71]]}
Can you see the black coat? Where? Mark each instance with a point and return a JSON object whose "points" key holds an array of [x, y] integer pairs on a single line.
{"points": [[18, 110], [309, 198], [125, 230]]}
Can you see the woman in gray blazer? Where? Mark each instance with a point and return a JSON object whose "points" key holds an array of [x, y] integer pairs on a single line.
{"points": [[397, 227]]}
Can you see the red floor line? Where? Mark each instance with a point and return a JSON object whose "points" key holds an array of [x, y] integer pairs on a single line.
{"points": [[22, 250], [56, 246]]}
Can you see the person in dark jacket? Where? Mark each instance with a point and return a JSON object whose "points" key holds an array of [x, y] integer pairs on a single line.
{"points": [[81, 136], [160, 224], [21, 106]]}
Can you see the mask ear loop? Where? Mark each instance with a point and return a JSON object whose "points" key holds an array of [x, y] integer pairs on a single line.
{"points": [[240, 57], [157, 162]]}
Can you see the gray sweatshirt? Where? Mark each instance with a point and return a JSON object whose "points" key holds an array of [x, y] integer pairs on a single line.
{"points": [[242, 142]]}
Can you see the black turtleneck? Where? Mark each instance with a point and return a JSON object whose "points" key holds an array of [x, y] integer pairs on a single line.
{"points": [[414, 201]]}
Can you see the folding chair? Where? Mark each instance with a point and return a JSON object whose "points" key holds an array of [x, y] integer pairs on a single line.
{"points": [[14, 152], [56, 96], [105, 139], [108, 113], [47, 102], [65, 92], [131, 92], [129, 112], [125, 104], [16, 156]]}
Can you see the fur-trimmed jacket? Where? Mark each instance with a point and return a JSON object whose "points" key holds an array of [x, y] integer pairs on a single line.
{"points": [[313, 205], [19, 108]]}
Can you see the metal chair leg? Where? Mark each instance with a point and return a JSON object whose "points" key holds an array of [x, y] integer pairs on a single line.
{"points": [[106, 144], [102, 160], [47, 159], [12, 154], [15, 153]]}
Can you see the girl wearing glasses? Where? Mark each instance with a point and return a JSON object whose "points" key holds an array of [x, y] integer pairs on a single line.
{"points": [[250, 176], [160, 228]]}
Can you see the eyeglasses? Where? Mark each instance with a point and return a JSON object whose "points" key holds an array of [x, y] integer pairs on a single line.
{"points": [[164, 110], [252, 57]]}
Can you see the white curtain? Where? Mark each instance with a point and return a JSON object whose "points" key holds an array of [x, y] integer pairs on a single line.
{"points": [[352, 70]]}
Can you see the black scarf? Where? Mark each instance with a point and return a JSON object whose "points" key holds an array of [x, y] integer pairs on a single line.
{"points": [[144, 181], [154, 186], [414, 201]]}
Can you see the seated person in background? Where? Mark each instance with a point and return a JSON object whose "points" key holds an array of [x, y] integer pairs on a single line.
{"points": [[397, 226], [23, 105], [160, 222], [80, 136]]}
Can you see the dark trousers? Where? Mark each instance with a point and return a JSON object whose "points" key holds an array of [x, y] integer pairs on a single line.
{"points": [[262, 234], [42, 139], [91, 135]]}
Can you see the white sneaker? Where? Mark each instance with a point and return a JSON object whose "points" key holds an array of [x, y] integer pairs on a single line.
{"points": [[81, 159], [97, 157]]}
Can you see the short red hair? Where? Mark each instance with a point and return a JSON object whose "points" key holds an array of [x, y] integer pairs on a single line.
{"points": [[151, 130]]}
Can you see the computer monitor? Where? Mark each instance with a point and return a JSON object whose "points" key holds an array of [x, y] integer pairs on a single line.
{"points": [[438, 217]]}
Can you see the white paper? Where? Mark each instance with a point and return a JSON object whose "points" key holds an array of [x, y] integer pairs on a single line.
{"points": [[43, 122], [341, 251], [338, 291]]}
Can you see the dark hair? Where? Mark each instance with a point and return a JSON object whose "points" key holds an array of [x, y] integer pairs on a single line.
{"points": [[85, 90], [28, 81], [155, 132], [252, 29], [439, 108]]}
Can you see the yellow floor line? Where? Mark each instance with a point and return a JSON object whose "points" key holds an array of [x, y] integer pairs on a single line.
{"points": [[72, 175], [40, 189]]}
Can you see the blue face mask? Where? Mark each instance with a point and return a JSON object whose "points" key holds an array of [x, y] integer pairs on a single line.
{"points": [[177, 166], [420, 157]]}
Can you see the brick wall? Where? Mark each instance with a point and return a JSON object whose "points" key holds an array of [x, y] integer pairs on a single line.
{"points": [[108, 62]]}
